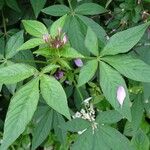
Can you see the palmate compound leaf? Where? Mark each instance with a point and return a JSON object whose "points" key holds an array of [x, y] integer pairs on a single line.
{"points": [[21, 109], [54, 95], [123, 41], [102, 138], [130, 67], [110, 80], [15, 73]]}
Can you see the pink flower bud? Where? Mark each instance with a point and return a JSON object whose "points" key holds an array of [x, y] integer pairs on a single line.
{"points": [[121, 94], [78, 62], [65, 39], [46, 38]]}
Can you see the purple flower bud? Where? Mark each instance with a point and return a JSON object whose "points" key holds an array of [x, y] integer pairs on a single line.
{"points": [[121, 94], [78, 62], [65, 39], [149, 33], [59, 74], [46, 38]]}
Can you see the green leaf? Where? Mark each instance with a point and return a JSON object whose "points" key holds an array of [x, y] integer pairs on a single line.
{"points": [[87, 72], [13, 43], [101, 138], [24, 56], [91, 42], [114, 139], [15, 73], [35, 28], [137, 111], [56, 10], [70, 53], [46, 52], [54, 95], [42, 129], [75, 125], [99, 31], [123, 41], [130, 67], [37, 5], [13, 5], [90, 9], [141, 141], [31, 44], [49, 68], [85, 141], [11, 88], [56, 25], [20, 112], [75, 30], [108, 117], [110, 80], [58, 120]]}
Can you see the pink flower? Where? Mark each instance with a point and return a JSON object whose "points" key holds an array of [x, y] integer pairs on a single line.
{"points": [[78, 62], [121, 94]]}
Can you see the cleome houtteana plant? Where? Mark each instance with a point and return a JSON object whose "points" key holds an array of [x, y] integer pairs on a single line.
{"points": [[72, 86]]}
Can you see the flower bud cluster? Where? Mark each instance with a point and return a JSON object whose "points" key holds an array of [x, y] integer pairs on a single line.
{"points": [[57, 42]]}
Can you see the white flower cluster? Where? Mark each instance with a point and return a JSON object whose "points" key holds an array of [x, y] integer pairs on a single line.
{"points": [[87, 114]]}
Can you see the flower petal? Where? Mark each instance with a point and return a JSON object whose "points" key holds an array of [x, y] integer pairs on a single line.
{"points": [[121, 94]]}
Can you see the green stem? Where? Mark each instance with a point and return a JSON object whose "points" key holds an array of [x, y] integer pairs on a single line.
{"points": [[4, 24], [69, 2]]}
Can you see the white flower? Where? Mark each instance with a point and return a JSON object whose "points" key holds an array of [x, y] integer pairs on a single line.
{"points": [[77, 115], [121, 94]]}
